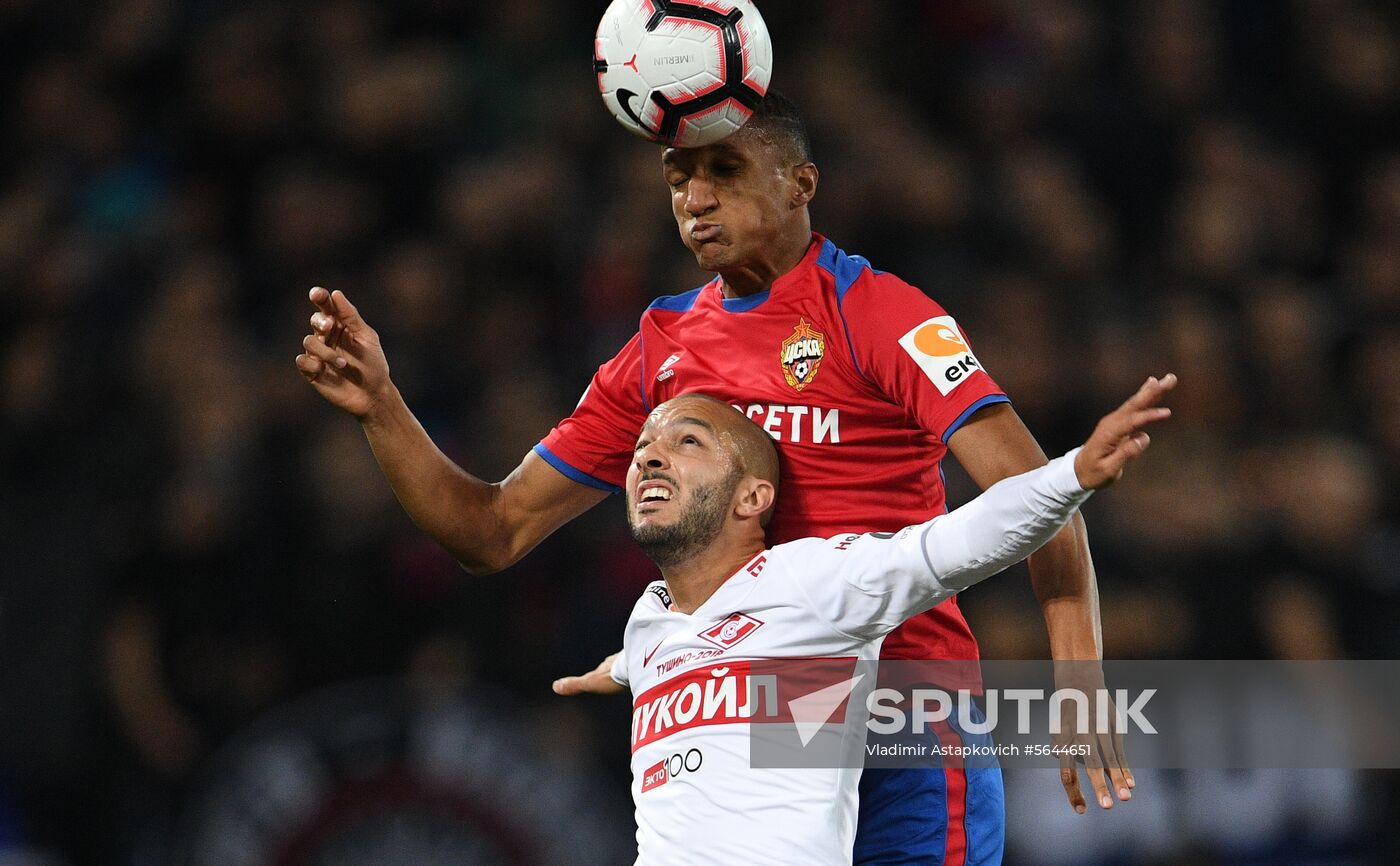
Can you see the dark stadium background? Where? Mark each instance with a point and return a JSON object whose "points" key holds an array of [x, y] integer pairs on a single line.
{"points": [[219, 635]]}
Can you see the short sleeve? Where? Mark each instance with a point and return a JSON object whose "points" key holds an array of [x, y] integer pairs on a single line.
{"points": [[914, 351], [594, 444]]}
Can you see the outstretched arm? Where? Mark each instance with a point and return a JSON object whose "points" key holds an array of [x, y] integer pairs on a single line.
{"points": [[993, 445], [485, 526], [1016, 516], [884, 579]]}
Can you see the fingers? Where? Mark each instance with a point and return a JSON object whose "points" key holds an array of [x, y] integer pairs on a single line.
{"points": [[316, 347], [1126, 419], [1093, 768], [1120, 430], [598, 681], [334, 315], [1070, 780], [594, 683], [1150, 392], [1112, 746], [310, 367], [569, 686], [1124, 779], [1143, 417], [322, 299], [344, 310], [1119, 778]]}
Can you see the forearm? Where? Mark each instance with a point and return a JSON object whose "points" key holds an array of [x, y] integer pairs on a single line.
{"points": [[1006, 523], [456, 508], [1062, 574]]}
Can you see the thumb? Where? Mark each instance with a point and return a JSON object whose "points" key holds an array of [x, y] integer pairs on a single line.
{"points": [[345, 311], [569, 686], [594, 683]]}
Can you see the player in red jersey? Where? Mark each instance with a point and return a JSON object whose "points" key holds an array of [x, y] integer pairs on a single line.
{"points": [[863, 381]]}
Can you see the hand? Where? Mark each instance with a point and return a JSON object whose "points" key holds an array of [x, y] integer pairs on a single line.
{"points": [[1104, 758], [598, 681], [1118, 439], [343, 360]]}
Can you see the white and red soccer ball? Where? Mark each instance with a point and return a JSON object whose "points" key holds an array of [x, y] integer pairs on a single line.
{"points": [[683, 72]]}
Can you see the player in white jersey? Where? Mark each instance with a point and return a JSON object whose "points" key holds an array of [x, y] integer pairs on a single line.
{"points": [[699, 493]]}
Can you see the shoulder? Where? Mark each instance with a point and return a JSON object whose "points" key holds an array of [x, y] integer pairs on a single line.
{"points": [[807, 553], [682, 303], [656, 598], [861, 286]]}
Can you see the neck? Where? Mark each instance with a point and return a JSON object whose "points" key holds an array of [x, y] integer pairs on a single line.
{"points": [[755, 277], [693, 582]]}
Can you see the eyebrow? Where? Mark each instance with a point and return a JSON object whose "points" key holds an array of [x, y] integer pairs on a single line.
{"points": [[698, 422], [722, 149], [687, 419]]}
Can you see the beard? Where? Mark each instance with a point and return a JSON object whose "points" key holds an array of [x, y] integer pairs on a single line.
{"points": [[698, 526]]}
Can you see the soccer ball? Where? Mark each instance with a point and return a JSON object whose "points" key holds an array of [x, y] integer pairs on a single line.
{"points": [[683, 72]]}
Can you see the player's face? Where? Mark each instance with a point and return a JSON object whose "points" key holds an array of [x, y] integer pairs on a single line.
{"points": [[681, 484], [730, 199]]}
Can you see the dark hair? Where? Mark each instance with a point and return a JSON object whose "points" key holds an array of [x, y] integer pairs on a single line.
{"points": [[778, 120]]}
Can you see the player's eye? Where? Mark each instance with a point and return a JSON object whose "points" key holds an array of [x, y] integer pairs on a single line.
{"points": [[676, 181], [690, 440]]}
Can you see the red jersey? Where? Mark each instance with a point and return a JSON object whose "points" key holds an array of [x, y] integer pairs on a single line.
{"points": [[858, 376]]}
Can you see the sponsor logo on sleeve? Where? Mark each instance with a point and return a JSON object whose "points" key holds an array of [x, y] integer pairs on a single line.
{"points": [[659, 590], [939, 349], [801, 354]]}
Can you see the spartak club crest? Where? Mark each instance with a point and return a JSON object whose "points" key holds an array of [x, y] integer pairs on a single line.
{"points": [[802, 354]]}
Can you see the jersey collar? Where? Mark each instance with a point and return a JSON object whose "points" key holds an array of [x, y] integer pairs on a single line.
{"points": [[749, 302], [744, 577]]}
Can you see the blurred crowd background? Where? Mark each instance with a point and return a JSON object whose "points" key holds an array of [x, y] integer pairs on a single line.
{"points": [[191, 542]]}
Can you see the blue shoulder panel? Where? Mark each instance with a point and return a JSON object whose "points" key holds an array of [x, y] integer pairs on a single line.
{"points": [[677, 303], [846, 269]]}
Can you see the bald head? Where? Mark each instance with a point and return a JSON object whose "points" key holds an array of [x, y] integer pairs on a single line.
{"points": [[749, 450], [753, 449]]}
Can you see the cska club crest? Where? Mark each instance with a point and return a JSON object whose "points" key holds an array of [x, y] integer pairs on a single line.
{"points": [[802, 354]]}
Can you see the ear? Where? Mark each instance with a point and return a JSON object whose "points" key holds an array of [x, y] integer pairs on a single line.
{"points": [[753, 497], [804, 183]]}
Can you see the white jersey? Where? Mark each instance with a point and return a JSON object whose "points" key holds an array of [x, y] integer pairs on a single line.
{"points": [[697, 798]]}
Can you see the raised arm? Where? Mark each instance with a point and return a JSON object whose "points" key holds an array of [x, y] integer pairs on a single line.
{"points": [[993, 445], [885, 579], [1016, 516], [485, 526]]}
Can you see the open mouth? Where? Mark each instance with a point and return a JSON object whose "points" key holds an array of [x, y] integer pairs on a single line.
{"points": [[653, 494]]}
